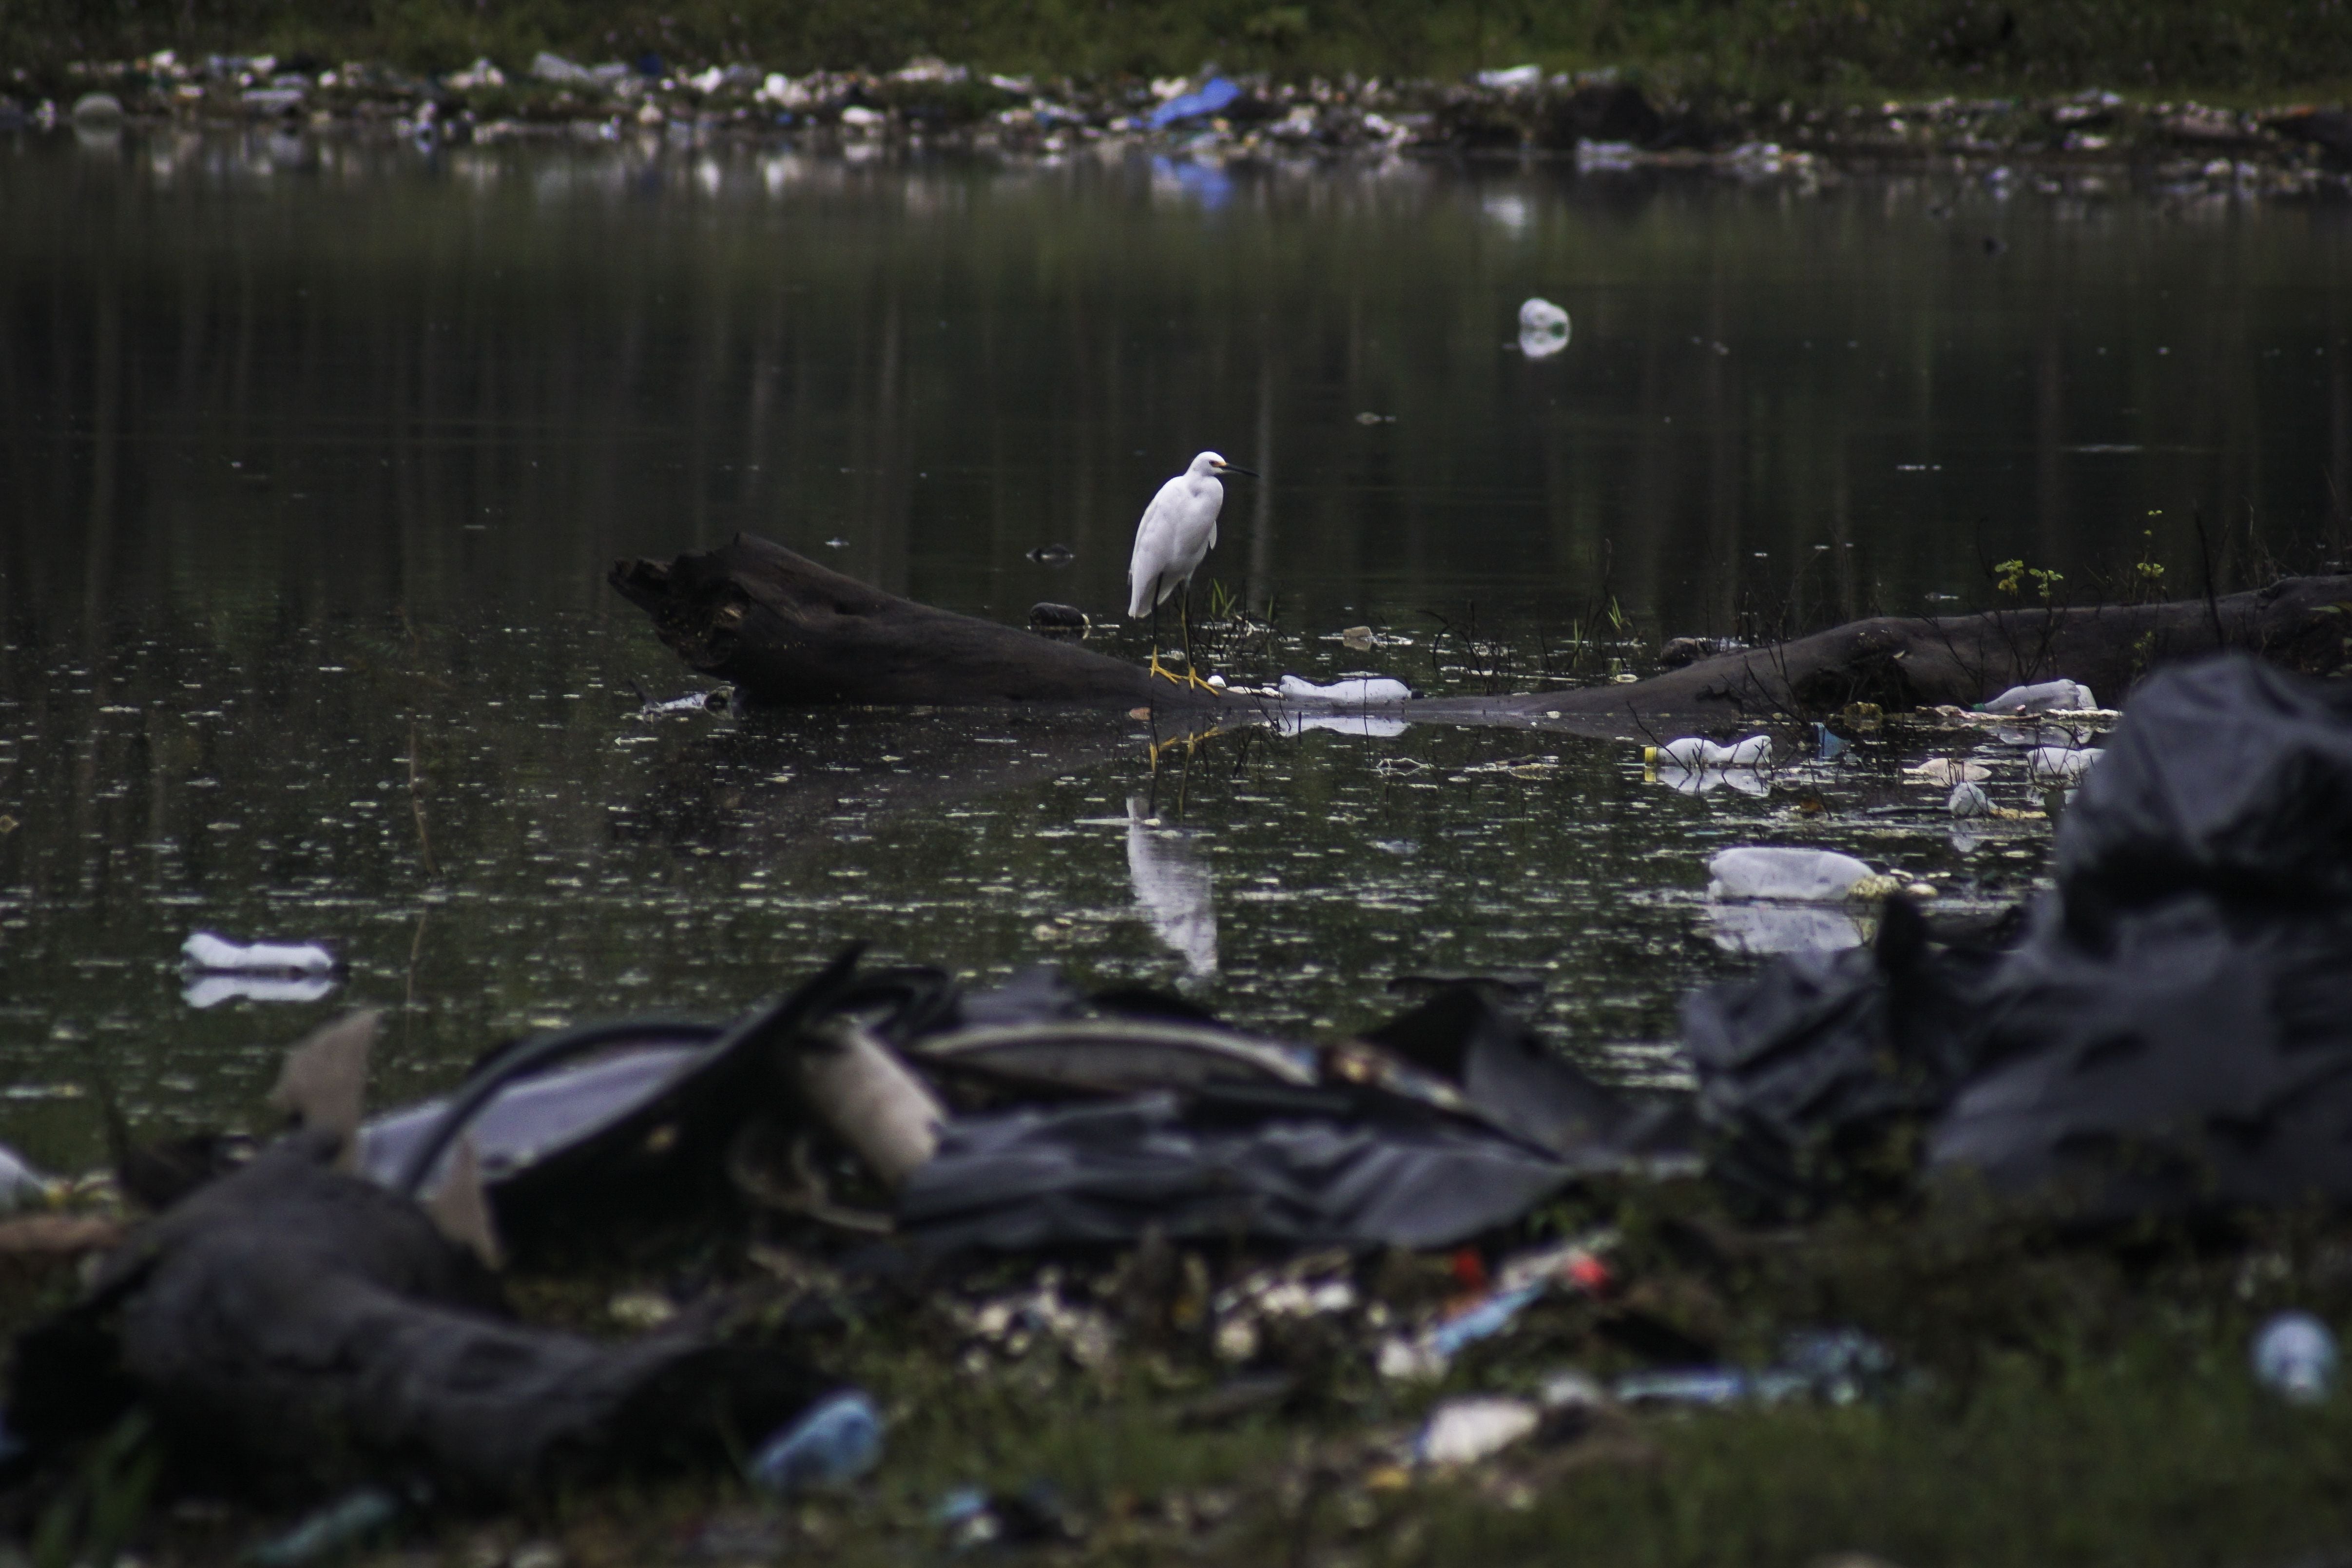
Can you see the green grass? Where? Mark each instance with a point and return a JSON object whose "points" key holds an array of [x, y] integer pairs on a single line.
{"points": [[1739, 47], [2061, 1402]]}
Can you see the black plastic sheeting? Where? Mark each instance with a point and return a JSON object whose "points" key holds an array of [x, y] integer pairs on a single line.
{"points": [[292, 1330], [2172, 1036], [1452, 1119], [1282, 1166]]}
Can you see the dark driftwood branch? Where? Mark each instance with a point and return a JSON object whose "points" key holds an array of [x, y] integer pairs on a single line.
{"points": [[789, 632]]}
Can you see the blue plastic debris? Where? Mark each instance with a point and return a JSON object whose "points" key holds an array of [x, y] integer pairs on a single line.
{"points": [[834, 1442], [1216, 95]]}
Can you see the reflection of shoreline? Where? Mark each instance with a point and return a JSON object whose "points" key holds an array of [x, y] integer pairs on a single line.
{"points": [[1173, 886]]}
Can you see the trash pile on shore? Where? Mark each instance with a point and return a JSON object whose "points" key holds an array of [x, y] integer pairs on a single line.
{"points": [[1601, 121]]}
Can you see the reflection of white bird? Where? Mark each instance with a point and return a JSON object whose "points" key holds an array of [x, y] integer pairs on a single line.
{"points": [[1178, 530], [1173, 886]]}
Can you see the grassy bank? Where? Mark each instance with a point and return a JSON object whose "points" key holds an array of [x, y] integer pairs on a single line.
{"points": [[1739, 48], [2051, 1403]]}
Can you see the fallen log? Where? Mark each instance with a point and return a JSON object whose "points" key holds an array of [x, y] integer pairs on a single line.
{"points": [[789, 632]]}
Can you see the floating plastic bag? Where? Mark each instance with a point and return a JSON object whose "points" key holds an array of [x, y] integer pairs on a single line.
{"points": [[1801, 875], [1695, 751], [2049, 697]]}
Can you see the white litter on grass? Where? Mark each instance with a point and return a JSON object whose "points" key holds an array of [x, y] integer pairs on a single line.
{"points": [[2047, 697], [1361, 691], [1694, 751], [1464, 1431], [208, 953], [1804, 876], [1969, 800]]}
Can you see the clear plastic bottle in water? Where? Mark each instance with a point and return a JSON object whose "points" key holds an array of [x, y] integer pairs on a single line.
{"points": [[1695, 751]]}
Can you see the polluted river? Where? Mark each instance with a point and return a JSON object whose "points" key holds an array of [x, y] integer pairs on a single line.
{"points": [[315, 457]]}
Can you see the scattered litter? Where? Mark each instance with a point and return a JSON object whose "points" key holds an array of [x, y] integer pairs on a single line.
{"points": [[2048, 696], [1969, 800], [712, 701], [970, 1517], [1215, 96], [1942, 771], [1464, 1431], [481, 74], [1363, 637], [1511, 79], [1528, 767], [2058, 764], [554, 68], [1576, 1265], [1058, 620], [1829, 744], [1801, 875], [834, 1442], [2295, 1357], [1543, 329], [214, 954], [215, 970], [1707, 1385], [1694, 751], [1359, 691]]}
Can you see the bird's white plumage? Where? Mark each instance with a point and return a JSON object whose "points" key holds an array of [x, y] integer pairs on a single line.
{"points": [[1178, 531]]}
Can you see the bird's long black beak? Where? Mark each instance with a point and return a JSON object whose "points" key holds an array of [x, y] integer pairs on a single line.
{"points": [[1229, 469]]}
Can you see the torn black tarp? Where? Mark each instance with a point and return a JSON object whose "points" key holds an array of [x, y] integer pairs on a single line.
{"points": [[2172, 1036], [1452, 1119], [293, 1328], [1269, 1164]]}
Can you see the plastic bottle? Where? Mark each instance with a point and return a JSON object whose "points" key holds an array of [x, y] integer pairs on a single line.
{"points": [[1359, 691], [2048, 696], [1695, 751], [831, 1443], [2294, 1356], [1805, 875]]}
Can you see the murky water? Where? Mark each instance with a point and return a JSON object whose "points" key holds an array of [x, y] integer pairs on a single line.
{"points": [[313, 458]]}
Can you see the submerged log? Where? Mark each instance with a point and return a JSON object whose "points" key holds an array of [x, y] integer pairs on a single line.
{"points": [[787, 631]]}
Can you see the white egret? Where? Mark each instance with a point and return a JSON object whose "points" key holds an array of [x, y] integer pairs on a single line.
{"points": [[1178, 530]]}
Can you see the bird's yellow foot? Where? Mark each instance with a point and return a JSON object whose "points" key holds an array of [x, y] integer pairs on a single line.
{"points": [[1205, 685], [1163, 670]]}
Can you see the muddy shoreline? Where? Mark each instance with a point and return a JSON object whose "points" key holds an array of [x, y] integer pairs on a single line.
{"points": [[2082, 144]]}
